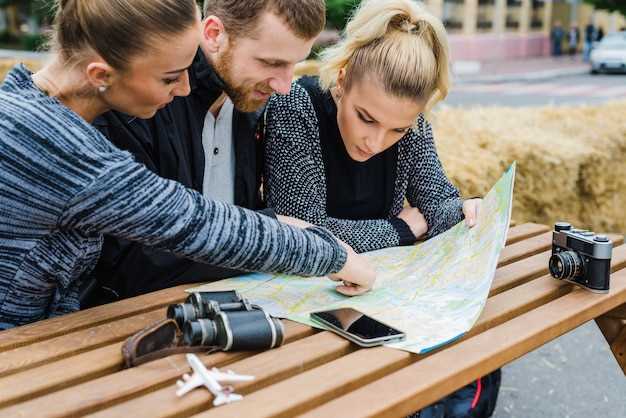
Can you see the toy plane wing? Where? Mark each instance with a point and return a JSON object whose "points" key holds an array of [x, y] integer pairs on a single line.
{"points": [[210, 379], [229, 376]]}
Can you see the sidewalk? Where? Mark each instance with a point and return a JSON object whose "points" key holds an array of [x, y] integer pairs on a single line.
{"points": [[14, 54], [463, 71], [518, 70]]}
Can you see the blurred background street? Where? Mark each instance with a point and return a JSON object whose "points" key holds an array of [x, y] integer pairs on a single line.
{"points": [[568, 89]]}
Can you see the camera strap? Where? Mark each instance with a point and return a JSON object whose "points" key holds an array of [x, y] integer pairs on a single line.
{"points": [[156, 341]]}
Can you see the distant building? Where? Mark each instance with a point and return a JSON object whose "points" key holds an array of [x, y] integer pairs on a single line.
{"points": [[497, 29]]}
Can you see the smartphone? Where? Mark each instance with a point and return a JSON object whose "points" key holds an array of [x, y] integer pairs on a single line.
{"points": [[357, 327]]}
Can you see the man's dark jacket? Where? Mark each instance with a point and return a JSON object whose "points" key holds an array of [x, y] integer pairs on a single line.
{"points": [[170, 144]]}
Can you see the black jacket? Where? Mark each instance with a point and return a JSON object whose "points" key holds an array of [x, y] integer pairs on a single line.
{"points": [[170, 144]]}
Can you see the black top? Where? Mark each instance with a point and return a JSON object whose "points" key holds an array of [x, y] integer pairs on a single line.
{"points": [[354, 190]]}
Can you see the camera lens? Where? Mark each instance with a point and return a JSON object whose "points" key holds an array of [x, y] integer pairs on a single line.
{"points": [[565, 265], [181, 313], [200, 332]]}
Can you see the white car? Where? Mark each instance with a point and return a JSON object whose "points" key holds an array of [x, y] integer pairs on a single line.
{"points": [[609, 55]]}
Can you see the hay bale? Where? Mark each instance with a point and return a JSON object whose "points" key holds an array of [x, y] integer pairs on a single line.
{"points": [[7, 64], [571, 160]]}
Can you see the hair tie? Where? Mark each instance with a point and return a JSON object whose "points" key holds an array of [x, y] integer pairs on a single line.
{"points": [[410, 27]]}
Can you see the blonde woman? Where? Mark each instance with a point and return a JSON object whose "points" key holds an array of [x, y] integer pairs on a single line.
{"points": [[346, 150], [63, 185]]}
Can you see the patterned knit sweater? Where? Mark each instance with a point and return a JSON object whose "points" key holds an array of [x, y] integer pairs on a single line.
{"points": [[63, 185], [296, 184]]}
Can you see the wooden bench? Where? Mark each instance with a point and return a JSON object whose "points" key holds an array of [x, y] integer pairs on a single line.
{"points": [[72, 365]]}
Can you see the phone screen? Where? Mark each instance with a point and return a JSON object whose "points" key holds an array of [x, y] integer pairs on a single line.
{"points": [[356, 323]]}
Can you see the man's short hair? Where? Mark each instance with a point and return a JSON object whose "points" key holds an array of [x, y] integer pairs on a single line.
{"points": [[306, 18]]}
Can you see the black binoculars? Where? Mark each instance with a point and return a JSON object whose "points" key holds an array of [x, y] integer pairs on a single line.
{"points": [[227, 321]]}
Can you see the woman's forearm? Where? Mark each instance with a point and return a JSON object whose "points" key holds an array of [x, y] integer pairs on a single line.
{"points": [[132, 203]]}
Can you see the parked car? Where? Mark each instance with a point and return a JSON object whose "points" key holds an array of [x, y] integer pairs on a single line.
{"points": [[609, 55]]}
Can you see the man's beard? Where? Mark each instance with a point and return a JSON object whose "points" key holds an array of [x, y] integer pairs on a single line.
{"points": [[241, 95]]}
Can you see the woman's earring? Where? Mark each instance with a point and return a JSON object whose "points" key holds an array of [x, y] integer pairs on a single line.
{"points": [[102, 89]]}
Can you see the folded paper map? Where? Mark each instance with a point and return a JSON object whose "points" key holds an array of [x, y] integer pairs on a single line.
{"points": [[433, 291]]}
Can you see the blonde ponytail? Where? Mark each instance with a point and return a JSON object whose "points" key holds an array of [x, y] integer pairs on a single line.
{"points": [[398, 42]]}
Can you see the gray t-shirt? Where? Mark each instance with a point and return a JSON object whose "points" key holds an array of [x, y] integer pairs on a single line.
{"points": [[219, 156]]}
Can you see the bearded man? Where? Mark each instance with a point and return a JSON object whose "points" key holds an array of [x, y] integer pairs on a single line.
{"points": [[211, 140]]}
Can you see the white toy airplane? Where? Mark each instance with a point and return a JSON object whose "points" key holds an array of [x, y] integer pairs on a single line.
{"points": [[210, 379]]}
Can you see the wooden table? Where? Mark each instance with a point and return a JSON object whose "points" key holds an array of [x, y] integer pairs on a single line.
{"points": [[72, 365]]}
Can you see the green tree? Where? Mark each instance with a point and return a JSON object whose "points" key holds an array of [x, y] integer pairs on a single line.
{"points": [[338, 12], [610, 5]]}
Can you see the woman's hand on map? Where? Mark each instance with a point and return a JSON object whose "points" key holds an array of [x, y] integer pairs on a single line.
{"points": [[357, 275], [415, 220], [471, 207]]}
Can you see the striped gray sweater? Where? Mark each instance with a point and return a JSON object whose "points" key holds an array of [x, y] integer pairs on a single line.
{"points": [[63, 185]]}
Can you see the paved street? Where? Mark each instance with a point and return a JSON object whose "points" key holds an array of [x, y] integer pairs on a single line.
{"points": [[575, 376], [573, 89]]}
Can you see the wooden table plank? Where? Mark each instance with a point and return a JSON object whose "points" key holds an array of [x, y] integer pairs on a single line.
{"points": [[526, 248], [89, 318], [502, 308], [524, 231], [60, 374], [514, 302], [520, 272], [422, 383], [306, 390], [268, 367], [20, 359], [107, 390]]}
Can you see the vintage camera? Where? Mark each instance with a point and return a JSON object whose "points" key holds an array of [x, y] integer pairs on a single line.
{"points": [[581, 257], [206, 305], [227, 321]]}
